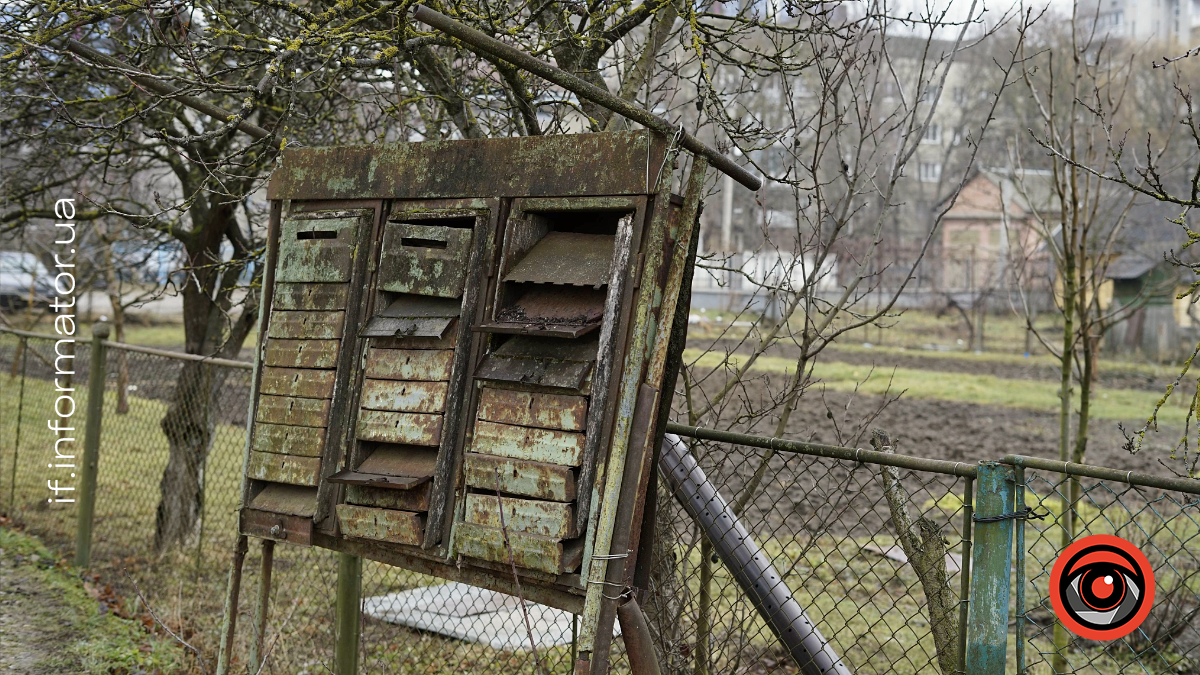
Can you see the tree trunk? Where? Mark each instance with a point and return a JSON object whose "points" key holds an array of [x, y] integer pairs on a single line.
{"points": [[189, 426]]}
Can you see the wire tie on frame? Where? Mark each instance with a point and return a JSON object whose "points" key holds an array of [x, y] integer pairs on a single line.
{"points": [[1026, 513]]}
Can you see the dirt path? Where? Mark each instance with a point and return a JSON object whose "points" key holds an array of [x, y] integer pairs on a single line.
{"points": [[33, 628]]}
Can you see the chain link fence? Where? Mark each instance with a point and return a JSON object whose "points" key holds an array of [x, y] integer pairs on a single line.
{"points": [[826, 525]]}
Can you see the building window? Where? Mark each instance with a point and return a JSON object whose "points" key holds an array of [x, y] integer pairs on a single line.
{"points": [[960, 94], [929, 172], [933, 133]]}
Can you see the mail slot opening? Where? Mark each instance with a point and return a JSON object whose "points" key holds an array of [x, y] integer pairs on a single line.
{"points": [[452, 221], [422, 243], [316, 234], [581, 222]]}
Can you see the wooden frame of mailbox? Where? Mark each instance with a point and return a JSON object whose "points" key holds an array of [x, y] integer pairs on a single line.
{"points": [[493, 180]]}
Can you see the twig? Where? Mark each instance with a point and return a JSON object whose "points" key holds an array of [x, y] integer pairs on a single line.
{"points": [[516, 579], [138, 590], [278, 633]]}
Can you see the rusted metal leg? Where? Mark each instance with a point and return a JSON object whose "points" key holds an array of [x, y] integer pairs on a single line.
{"points": [[349, 613], [229, 622], [260, 610], [638, 643]]}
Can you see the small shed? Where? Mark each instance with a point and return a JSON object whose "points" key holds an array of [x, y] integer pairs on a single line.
{"points": [[1157, 324]]}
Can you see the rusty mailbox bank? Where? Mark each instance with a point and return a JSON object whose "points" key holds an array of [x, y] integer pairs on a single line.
{"points": [[463, 340]]}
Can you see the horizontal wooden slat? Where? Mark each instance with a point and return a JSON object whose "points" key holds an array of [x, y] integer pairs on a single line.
{"points": [[294, 500], [301, 353], [427, 365], [520, 477], [416, 499], [306, 325], [448, 341], [292, 529], [569, 375], [379, 480], [532, 516], [311, 296], [284, 468], [400, 527], [302, 382], [289, 440], [528, 550], [539, 445], [529, 409], [404, 396], [394, 427], [301, 412]]}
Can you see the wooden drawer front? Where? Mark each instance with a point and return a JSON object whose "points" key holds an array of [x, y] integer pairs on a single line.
{"points": [[400, 527], [301, 412], [520, 477], [316, 250], [539, 445], [266, 525], [306, 325], [284, 468], [532, 516], [288, 440], [310, 296], [404, 396], [528, 550], [401, 428], [416, 499], [426, 365], [548, 411], [424, 259], [301, 353], [301, 382]]}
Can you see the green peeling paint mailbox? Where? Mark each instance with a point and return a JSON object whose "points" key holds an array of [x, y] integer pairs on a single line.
{"points": [[461, 359]]}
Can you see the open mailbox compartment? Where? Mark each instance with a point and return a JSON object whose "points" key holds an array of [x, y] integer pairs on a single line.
{"points": [[456, 365]]}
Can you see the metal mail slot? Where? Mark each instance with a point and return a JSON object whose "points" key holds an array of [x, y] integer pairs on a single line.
{"points": [[316, 250], [425, 259]]}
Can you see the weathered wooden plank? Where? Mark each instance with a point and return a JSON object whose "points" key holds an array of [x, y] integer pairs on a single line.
{"points": [[306, 325], [416, 499], [295, 500], [289, 440], [528, 409], [264, 525], [301, 382], [300, 412], [301, 353], [424, 259], [404, 396], [520, 477], [395, 427], [427, 365], [532, 516], [399, 527], [528, 550], [540, 445], [310, 296], [284, 468], [316, 250]]}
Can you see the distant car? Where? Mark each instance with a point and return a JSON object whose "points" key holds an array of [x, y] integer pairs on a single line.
{"points": [[21, 272]]}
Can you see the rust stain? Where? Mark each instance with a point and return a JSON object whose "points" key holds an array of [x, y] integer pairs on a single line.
{"points": [[428, 365], [424, 259], [301, 382], [520, 477], [404, 396], [416, 499], [316, 250], [310, 296], [306, 325], [301, 353], [529, 409], [399, 527], [539, 445], [301, 412], [532, 516], [528, 550], [288, 440], [284, 468]]}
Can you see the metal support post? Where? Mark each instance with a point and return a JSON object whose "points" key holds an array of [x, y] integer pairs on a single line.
{"points": [[991, 567], [91, 448], [349, 613], [229, 621], [260, 611]]}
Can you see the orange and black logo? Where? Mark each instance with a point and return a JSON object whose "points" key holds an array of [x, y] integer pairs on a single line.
{"points": [[1101, 587]]}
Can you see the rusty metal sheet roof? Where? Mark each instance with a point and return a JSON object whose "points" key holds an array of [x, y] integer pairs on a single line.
{"points": [[617, 163], [566, 258]]}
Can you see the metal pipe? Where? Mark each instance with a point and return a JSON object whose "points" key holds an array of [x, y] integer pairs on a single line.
{"points": [[964, 469], [260, 611], [586, 90], [91, 449], [639, 645], [163, 89], [349, 614], [1188, 485], [747, 563], [964, 575], [229, 620]]}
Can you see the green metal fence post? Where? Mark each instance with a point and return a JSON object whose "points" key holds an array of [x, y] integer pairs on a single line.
{"points": [[1019, 475], [349, 612], [991, 567], [91, 448]]}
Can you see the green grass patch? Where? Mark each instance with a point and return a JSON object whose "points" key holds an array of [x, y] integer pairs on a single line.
{"points": [[1107, 404]]}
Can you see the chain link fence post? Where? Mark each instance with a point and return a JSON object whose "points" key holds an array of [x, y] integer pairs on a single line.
{"points": [[991, 567], [349, 613], [91, 448]]}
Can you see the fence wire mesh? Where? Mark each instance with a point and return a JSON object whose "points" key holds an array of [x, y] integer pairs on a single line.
{"points": [[1164, 525], [827, 526]]}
